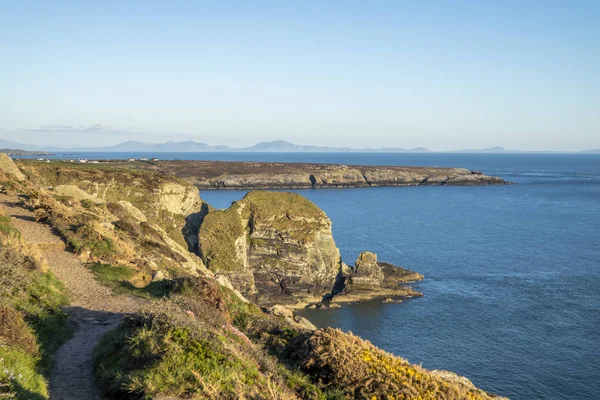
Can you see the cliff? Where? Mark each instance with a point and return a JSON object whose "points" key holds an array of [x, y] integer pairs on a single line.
{"points": [[185, 333], [272, 244], [120, 217], [278, 248], [263, 175]]}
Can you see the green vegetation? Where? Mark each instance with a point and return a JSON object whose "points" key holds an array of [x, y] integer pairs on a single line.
{"points": [[287, 213], [175, 360], [20, 376], [32, 324], [192, 345], [129, 280], [360, 370], [218, 235]]}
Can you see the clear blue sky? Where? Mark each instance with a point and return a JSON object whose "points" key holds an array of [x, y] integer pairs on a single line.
{"points": [[441, 74]]}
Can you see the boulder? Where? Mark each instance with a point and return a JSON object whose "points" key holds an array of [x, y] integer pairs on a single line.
{"points": [[9, 167], [280, 311]]}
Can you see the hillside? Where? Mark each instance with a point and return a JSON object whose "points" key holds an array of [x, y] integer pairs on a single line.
{"points": [[103, 259]]}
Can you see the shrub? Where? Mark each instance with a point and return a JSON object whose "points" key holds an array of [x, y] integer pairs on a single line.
{"points": [[346, 363], [15, 332], [167, 353]]}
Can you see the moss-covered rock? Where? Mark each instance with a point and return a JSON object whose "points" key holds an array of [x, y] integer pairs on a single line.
{"points": [[282, 239]]}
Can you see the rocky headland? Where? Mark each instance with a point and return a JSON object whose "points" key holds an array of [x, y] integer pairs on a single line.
{"points": [[122, 283], [278, 248], [266, 175]]}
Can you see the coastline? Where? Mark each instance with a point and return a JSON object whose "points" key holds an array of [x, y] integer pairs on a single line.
{"points": [[241, 175]]}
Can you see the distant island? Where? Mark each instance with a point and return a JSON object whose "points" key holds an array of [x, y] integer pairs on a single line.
{"points": [[19, 152], [276, 146]]}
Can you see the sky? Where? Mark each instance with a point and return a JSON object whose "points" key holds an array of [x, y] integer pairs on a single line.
{"points": [[440, 74]]}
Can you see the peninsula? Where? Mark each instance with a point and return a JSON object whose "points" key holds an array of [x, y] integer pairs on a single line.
{"points": [[214, 175], [269, 175]]}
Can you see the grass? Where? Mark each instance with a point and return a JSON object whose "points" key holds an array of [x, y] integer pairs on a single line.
{"points": [[121, 279], [157, 355], [194, 344], [138, 223], [218, 235], [289, 213], [6, 227], [32, 324], [20, 376], [146, 190]]}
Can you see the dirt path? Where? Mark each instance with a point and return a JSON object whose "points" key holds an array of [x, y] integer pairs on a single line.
{"points": [[94, 309]]}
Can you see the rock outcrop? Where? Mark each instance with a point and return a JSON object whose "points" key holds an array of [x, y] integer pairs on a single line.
{"points": [[263, 175], [371, 279], [164, 200], [367, 273], [119, 216], [272, 244], [8, 167]]}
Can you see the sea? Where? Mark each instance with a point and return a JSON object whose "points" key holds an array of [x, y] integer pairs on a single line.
{"points": [[512, 273]]}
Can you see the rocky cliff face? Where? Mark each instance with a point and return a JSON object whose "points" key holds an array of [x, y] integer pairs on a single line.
{"points": [[120, 216], [166, 201], [272, 244]]}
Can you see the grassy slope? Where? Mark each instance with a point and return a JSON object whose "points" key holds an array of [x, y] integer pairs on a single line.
{"points": [[189, 345], [203, 342], [32, 325]]}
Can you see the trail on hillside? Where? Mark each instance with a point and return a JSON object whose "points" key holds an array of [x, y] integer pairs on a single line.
{"points": [[94, 308]]}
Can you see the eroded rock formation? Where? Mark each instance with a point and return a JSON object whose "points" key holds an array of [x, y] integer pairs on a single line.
{"points": [[271, 244]]}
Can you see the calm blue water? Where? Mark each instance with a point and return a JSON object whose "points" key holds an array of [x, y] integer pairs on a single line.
{"points": [[512, 288]]}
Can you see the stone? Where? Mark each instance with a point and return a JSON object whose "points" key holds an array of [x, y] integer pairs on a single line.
{"points": [[76, 193], [280, 311], [304, 323], [158, 276], [9, 167], [367, 272]]}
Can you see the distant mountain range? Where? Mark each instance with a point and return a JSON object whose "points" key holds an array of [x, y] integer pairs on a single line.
{"points": [[279, 146]]}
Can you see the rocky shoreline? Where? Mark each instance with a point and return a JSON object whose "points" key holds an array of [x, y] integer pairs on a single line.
{"points": [[203, 288], [213, 175]]}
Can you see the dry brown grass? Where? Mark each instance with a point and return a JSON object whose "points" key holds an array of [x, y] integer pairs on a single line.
{"points": [[14, 331]]}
